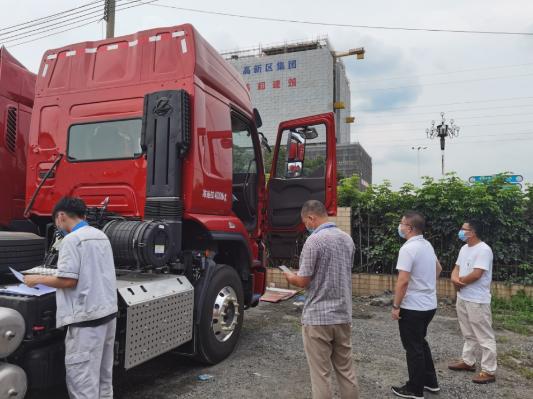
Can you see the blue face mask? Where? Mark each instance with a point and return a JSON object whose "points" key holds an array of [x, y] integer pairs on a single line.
{"points": [[462, 235], [310, 230], [63, 232], [400, 232]]}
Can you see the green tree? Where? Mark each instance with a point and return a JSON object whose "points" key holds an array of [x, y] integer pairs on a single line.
{"points": [[504, 210]]}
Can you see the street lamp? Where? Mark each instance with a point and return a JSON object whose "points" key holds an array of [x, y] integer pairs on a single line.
{"points": [[418, 157], [442, 131], [338, 104]]}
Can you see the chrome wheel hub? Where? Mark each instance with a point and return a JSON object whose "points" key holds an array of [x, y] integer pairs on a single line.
{"points": [[225, 314]]}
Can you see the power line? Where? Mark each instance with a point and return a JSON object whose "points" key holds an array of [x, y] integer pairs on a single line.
{"points": [[51, 18], [454, 103], [381, 27], [372, 115], [43, 29], [58, 25], [447, 83], [462, 118], [472, 136], [371, 131], [410, 144], [51, 15], [57, 33], [359, 81], [78, 26]]}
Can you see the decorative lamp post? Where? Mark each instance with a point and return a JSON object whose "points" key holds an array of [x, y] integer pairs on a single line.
{"points": [[442, 131]]}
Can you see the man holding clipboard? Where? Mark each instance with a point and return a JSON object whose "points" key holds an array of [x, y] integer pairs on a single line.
{"points": [[326, 272]]}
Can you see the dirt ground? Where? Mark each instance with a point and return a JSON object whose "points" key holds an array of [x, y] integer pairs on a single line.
{"points": [[270, 363]]}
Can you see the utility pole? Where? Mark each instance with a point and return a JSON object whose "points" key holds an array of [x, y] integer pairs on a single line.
{"points": [[442, 131], [418, 157], [109, 17]]}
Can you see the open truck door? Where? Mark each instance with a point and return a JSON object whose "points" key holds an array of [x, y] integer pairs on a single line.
{"points": [[304, 167]]}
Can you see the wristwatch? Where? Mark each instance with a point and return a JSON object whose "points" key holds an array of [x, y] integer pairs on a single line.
{"points": [[395, 306]]}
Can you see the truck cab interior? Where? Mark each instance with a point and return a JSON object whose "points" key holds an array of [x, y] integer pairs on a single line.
{"points": [[245, 172]]}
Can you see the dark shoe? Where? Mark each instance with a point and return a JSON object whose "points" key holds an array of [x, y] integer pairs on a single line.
{"points": [[461, 366], [404, 392], [484, 378], [433, 389]]}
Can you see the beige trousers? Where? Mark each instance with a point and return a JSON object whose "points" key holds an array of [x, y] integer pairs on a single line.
{"points": [[327, 347], [475, 320]]}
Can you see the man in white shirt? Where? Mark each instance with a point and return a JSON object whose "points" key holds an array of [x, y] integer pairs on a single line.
{"points": [[472, 277], [86, 300], [415, 304]]}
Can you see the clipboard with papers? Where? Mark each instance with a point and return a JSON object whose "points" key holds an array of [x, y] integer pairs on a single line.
{"points": [[23, 289]]}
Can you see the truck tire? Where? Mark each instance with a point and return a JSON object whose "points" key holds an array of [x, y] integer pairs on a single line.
{"points": [[221, 316], [20, 251]]}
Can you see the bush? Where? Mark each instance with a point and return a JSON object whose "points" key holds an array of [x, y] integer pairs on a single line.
{"points": [[505, 212]]}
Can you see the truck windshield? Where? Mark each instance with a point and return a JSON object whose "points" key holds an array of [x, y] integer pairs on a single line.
{"points": [[105, 140]]}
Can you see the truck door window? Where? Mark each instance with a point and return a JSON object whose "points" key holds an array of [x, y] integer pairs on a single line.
{"points": [[105, 140], [302, 153], [244, 172]]}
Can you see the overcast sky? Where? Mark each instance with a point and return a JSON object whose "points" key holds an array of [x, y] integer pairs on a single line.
{"points": [[484, 82]]}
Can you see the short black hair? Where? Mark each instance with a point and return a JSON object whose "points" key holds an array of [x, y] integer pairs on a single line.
{"points": [[416, 220], [72, 206], [314, 207], [477, 226]]}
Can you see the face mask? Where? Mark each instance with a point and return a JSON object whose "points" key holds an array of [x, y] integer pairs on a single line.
{"points": [[462, 235], [400, 232], [310, 230]]}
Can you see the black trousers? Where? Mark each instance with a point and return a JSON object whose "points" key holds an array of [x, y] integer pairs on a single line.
{"points": [[413, 329]]}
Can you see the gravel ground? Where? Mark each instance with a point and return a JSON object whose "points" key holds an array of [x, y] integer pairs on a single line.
{"points": [[269, 361]]}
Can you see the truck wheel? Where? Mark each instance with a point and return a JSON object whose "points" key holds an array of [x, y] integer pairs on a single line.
{"points": [[221, 317], [20, 251]]}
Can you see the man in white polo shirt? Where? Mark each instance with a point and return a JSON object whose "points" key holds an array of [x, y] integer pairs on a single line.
{"points": [[472, 276], [415, 304]]}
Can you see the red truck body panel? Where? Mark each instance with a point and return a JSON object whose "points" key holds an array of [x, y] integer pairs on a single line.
{"points": [[17, 86]]}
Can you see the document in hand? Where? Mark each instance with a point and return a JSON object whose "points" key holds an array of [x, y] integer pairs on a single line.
{"points": [[23, 289]]}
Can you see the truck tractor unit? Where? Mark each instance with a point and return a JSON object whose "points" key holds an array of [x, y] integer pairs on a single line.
{"points": [[155, 131]]}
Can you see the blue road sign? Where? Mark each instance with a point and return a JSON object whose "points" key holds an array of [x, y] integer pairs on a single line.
{"points": [[514, 179], [480, 179]]}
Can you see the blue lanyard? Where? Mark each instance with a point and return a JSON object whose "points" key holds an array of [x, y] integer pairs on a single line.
{"points": [[324, 226]]}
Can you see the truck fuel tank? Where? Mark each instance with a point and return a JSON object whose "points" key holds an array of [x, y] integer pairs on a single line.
{"points": [[13, 382], [12, 328]]}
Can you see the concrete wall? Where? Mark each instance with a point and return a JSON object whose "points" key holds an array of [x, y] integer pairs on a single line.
{"points": [[375, 284]]}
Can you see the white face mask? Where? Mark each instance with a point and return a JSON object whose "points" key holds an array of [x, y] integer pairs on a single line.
{"points": [[400, 232]]}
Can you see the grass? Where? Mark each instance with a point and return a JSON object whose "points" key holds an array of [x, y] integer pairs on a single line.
{"points": [[517, 361], [515, 314]]}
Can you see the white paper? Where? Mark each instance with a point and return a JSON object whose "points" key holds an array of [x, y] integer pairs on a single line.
{"points": [[284, 269], [23, 289], [18, 275]]}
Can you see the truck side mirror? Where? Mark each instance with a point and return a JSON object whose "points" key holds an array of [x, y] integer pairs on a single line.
{"points": [[257, 119]]}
